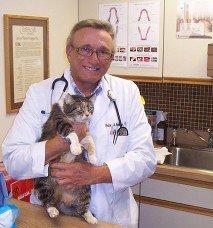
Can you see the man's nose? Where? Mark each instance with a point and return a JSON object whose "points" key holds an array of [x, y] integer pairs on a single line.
{"points": [[94, 56]]}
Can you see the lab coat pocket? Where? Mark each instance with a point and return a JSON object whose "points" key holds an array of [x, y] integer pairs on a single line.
{"points": [[118, 144]]}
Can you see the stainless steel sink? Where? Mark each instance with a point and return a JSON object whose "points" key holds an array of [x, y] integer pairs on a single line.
{"points": [[188, 157]]}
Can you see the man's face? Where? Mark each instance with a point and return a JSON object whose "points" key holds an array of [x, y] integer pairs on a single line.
{"points": [[89, 69]]}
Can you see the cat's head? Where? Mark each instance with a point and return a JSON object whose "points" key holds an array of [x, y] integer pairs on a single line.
{"points": [[77, 108]]}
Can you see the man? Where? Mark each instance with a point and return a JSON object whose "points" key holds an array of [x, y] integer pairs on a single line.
{"points": [[123, 160]]}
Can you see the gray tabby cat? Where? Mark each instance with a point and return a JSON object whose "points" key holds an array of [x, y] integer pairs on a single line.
{"points": [[75, 201]]}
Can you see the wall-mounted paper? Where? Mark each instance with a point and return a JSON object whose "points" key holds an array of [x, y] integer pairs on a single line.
{"points": [[116, 14], [144, 19], [195, 19]]}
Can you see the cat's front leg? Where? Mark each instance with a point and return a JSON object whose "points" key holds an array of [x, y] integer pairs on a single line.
{"points": [[88, 143], [75, 146], [66, 131]]}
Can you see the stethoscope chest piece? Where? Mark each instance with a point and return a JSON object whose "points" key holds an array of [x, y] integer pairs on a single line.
{"points": [[121, 131]]}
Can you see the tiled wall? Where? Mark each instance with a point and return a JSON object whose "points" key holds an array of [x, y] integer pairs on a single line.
{"points": [[189, 106]]}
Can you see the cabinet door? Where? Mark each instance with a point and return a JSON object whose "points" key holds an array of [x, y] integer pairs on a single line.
{"points": [[159, 217], [180, 193]]}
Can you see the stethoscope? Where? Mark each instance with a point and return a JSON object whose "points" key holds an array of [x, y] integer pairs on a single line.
{"points": [[121, 131]]}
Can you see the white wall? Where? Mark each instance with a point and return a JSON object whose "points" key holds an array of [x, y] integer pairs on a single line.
{"points": [[62, 14]]}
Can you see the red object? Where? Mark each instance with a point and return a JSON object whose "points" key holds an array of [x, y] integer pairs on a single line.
{"points": [[20, 189]]}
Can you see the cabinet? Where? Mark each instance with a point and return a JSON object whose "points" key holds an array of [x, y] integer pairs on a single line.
{"points": [[160, 217], [172, 205]]}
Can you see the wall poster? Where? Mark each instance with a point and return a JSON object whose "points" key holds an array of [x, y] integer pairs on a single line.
{"points": [[26, 56], [116, 15], [195, 19], [144, 20], [137, 32]]}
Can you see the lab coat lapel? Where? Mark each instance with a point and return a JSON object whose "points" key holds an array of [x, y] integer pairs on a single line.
{"points": [[101, 105]]}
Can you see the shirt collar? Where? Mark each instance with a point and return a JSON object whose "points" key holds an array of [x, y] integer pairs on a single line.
{"points": [[96, 91]]}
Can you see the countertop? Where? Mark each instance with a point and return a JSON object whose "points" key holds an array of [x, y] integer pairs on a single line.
{"points": [[35, 216], [189, 176]]}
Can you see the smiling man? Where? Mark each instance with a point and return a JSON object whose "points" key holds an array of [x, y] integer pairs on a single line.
{"points": [[119, 127], [90, 52]]}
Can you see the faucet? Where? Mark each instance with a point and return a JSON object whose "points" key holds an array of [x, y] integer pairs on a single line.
{"points": [[210, 140], [174, 135], [209, 143]]}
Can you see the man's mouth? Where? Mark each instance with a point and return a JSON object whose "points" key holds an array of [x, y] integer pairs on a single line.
{"points": [[92, 68]]}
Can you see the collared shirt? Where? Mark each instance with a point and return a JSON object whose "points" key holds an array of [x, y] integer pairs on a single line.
{"points": [[96, 91]]}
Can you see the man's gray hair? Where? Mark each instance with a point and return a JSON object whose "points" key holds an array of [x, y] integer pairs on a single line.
{"points": [[92, 23]]}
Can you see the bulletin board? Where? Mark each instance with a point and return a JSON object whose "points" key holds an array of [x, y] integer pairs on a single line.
{"points": [[26, 56]]}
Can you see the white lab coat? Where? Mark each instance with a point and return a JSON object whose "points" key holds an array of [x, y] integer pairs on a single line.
{"points": [[130, 160]]}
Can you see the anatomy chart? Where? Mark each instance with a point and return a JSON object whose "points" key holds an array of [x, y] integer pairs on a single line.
{"points": [[195, 19], [116, 14], [143, 43]]}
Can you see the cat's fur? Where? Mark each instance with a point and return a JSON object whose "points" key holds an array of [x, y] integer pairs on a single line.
{"points": [[75, 201]]}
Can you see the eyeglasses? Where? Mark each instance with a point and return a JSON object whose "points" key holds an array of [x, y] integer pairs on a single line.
{"points": [[87, 51]]}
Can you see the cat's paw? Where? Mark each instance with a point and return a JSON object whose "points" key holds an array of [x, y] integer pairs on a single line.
{"points": [[92, 159], [75, 149], [88, 144], [53, 212], [90, 218]]}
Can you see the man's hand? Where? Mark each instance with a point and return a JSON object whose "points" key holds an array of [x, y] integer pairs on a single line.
{"points": [[79, 174]]}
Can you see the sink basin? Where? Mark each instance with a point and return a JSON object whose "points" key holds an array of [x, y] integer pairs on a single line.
{"points": [[188, 157]]}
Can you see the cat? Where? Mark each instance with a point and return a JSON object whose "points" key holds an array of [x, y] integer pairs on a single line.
{"points": [[75, 201]]}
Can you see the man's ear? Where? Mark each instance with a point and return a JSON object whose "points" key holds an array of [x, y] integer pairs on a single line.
{"points": [[68, 49], [112, 56]]}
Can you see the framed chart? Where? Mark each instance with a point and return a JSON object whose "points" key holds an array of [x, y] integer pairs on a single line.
{"points": [[26, 49]]}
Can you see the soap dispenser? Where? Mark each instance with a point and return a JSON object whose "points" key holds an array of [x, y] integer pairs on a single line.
{"points": [[161, 127]]}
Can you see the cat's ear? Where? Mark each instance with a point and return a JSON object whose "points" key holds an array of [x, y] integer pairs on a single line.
{"points": [[69, 99]]}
